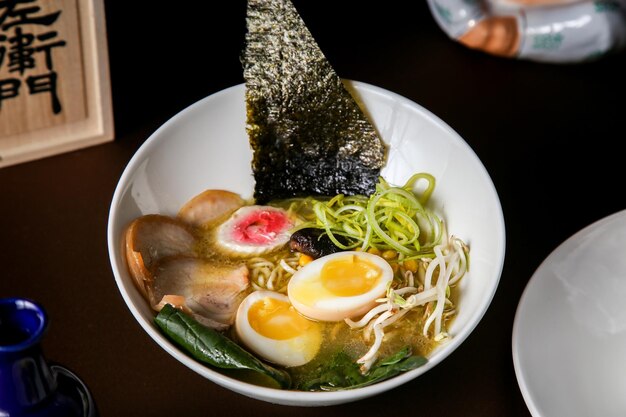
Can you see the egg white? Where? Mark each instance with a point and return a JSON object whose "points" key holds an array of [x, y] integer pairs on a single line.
{"points": [[325, 306], [294, 351]]}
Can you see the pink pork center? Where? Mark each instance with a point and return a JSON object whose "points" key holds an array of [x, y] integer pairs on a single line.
{"points": [[260, 227]]}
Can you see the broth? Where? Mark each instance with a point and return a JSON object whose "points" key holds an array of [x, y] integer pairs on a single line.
{"points": [[337, 336]]}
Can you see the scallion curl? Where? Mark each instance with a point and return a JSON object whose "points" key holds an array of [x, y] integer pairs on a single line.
{"points": [[391, 218]]}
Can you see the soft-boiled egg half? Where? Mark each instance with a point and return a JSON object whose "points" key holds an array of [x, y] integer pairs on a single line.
{"points": [[339, 286], [268, 324]]}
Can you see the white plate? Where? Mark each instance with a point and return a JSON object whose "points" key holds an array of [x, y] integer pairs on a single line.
{"points": [[206, 146], [569, 335]]}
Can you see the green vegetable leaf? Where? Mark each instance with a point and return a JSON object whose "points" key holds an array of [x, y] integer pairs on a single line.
{"points": [[397, 357], [341, 372], [211, 347]]}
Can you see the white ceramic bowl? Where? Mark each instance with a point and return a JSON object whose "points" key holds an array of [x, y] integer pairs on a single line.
{"points": [[206, 146], [569, 333]]}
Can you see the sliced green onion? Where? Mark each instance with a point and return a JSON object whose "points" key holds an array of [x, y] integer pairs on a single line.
{"points": [[391, 218]]}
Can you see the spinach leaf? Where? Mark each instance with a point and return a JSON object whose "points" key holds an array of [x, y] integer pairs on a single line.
{"points": [[212, 347], [341, 372]]}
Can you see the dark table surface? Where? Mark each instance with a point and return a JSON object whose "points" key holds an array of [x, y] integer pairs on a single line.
{"points": [[547, 134]]}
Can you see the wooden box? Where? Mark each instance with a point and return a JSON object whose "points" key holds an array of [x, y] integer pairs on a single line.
{"points": [[54, 78]]}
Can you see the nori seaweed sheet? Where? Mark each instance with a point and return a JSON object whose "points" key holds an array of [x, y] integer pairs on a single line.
{"points": [[307, 132]]}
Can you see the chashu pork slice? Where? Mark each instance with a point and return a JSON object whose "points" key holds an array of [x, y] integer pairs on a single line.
{"points": [[307, 132], [209, 207], [150, 238], [210, 292]]}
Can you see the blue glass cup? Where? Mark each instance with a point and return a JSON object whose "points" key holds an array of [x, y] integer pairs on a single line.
{"points": [[30, 386]]}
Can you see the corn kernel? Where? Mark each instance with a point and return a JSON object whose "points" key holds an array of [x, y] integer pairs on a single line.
{"points": [[410, 265], [374, 251], [304, 259], [389, 254]]}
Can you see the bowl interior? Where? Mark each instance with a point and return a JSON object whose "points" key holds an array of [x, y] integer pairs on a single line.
{"points": [[206, 146]]}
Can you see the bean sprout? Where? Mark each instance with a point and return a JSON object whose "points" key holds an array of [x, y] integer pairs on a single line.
{"points": [[442, 271]]}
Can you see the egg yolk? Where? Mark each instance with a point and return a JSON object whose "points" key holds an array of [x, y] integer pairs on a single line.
{"points": [[349, 276], [278, 320]]}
